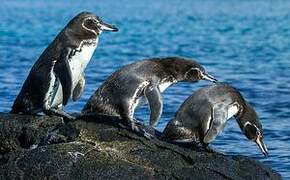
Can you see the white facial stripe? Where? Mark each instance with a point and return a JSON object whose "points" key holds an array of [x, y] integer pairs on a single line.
{"points": [[198, 70], [83, 25], [248, 123], [259, 132]]}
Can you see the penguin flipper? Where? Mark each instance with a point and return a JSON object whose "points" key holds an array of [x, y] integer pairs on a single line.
{"points": [[217, 124], [79, 89], [63, 72], [153, 95]]}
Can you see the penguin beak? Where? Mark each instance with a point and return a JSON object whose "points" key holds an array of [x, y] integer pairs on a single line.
{"points": [[262, 146], [107, 27], [208, 77]]}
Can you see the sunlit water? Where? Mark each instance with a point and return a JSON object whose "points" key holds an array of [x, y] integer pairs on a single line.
{"points": [[245, 43]]}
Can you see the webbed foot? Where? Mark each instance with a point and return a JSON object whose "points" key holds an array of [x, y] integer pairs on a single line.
{"points": [[206, 148], [136, 127], [60, 113]]}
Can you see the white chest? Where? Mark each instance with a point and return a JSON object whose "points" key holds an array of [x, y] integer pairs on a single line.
{"points": [[80, 60], [233, 110], [163, 86]]}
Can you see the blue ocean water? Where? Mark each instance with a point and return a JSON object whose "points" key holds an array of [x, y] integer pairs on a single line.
{"points": [[245, 43]]}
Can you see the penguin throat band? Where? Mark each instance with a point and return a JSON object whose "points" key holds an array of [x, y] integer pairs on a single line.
{"points": [[87, 42]]}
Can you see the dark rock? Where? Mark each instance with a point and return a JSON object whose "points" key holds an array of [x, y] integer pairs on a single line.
{"points": [[98, 148], [22, 131]]}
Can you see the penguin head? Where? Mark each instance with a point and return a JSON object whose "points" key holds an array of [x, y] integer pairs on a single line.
{"points": [[195, 72], [252, 128], [88, 25]]}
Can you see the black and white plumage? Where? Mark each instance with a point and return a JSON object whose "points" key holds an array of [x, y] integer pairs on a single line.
{"points": [[58, 74], [145, 80], [204, 114]]}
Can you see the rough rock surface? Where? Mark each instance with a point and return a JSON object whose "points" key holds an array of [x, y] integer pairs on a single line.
{"points": [[42, 147]]}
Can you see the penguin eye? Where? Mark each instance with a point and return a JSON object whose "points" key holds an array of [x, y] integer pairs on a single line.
{"points": [[91, 24], [192, 74], [91, 21], [251, 131], [195, 72]]}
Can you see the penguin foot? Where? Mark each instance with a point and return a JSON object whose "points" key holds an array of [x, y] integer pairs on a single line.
{"points": [[68, 118], [60, 113], [206, 148], [148, 135], [134, 127], [149, 132], [142, 131]]}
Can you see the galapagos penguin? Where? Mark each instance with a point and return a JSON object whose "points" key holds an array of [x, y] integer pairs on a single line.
{"points": [[204, 114], [58, 74], [121, 93]]}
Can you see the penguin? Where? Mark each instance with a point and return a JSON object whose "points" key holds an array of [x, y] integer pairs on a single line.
{"points": [[58, 74], [142, 82], [204, 114]]}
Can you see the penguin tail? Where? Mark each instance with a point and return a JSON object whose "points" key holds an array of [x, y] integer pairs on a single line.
{"points": [[23, 106]]}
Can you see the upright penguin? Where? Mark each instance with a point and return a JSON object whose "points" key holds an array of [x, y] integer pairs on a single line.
{"points": [[120, 94], [204, 115], [58, 75]]}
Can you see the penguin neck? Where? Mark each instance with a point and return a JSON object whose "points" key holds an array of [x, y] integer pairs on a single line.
{"points": [[79, 36], [175, 72], [88, 42], [80, 58], [166, 82], [245, 115]]}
